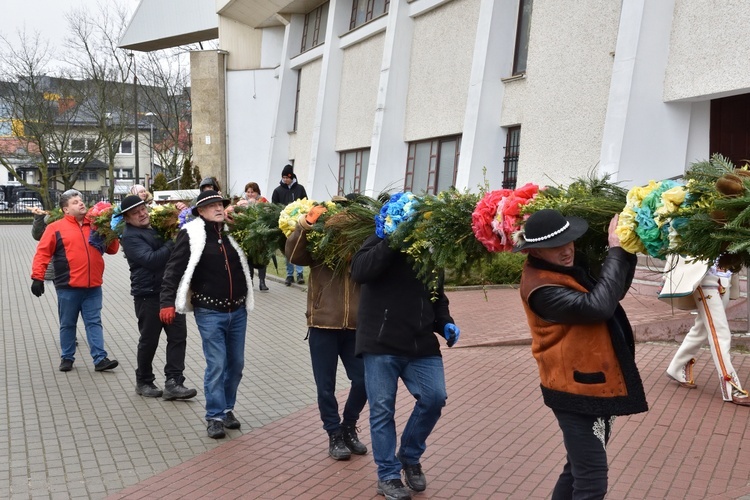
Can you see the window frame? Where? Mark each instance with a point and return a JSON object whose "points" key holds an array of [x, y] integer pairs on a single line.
{"points": [[433, 165], [360, 167], [510, 159], [370, 13], [319, 27], [121, 152], [296, 101], [523, 29]]}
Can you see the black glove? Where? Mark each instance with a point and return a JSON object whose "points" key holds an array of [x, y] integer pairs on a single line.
{"points": [[37, 288]]}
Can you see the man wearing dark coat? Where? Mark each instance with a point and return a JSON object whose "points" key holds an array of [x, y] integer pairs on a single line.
{"points": [[147, 256]]}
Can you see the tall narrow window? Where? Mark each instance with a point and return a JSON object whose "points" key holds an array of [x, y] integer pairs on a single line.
{"points": [[314, 30], [522, 37], [364, 11], [353, 170], [296, 100], [432, 165], [510, 161]]}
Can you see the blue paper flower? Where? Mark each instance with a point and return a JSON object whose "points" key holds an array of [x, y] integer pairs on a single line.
{"points": [[399, 208]]}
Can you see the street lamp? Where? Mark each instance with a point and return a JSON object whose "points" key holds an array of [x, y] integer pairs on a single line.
{"points": [[135, 116], [150, 116]]}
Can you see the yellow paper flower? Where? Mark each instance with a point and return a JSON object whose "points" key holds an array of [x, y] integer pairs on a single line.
{"points": [[625, 230], [290, 214]]}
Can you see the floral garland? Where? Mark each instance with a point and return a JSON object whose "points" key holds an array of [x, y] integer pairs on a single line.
{"points": [[165, 219], [399, 208], [256, 229], [100, 216], [497, 215], [290, 214], [645, 221], [185, 216]]}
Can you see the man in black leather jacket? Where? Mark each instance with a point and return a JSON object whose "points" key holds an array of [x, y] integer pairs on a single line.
{"points": [[147, 257], [582, 342]]}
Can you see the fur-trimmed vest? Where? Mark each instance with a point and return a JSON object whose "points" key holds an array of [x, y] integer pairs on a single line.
{"points": [[585, 368], [196, 231]]}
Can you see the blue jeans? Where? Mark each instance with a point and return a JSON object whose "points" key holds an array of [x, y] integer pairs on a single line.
{"points": [[326, 347], [87, 302], [291, 267], [425, 380], [223, 335]]}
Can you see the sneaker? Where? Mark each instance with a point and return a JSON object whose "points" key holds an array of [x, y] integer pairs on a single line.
{"points": [[393, 489], [414, 478], [337, 448], [147, 390], [300, 280], [106, 364], [215, 429], [352, 440], [289, 280], [174, 390], [66, 365], [230, 422]]}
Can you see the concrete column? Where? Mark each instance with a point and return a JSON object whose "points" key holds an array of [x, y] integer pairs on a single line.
{"points": [[207, 77], [389, 151], [483, 142], [323, 157]]}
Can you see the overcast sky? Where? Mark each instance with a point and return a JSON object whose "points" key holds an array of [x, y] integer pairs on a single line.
{"points": [[45, 16]]}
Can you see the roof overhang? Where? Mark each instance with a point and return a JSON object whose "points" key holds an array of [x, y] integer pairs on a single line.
{"points": [[161, 24], [264, 13]]}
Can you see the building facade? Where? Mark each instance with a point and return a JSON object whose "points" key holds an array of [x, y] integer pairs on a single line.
{"points": [[374, 95]]}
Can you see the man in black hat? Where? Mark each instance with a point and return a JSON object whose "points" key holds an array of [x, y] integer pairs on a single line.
{"points": [[286, 192], [147, 257], [582, 341], [207, 273]]}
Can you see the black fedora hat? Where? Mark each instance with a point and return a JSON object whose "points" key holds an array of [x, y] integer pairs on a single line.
{"points": [[130, 202], [206, 198], [548, 229]]}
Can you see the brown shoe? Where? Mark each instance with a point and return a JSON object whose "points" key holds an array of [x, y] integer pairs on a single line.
{"points": [[741, 400], [687, 385]]}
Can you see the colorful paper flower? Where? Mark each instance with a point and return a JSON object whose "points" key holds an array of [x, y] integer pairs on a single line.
{"points": [[290, 215], [497, 215], [399, 208]]}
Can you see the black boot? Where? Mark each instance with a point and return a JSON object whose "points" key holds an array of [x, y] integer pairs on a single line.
{"points": [[351, 440], [337, 448], [262, 279], [175, 390]]}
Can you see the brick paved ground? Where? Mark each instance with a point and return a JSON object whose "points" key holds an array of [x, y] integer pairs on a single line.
{"points": [[87, 435]]}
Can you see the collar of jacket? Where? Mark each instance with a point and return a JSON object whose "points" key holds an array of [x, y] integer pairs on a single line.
{"points": [[579, 271]]}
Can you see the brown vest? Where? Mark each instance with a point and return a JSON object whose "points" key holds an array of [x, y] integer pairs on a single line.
{"points": [[572, 358]]}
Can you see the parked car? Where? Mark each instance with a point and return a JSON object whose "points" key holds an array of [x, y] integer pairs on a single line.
{"points": [[3, 205], [27, 204]]}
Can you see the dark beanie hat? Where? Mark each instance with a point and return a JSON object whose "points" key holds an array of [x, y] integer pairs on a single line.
{"points": [[287, 170]]}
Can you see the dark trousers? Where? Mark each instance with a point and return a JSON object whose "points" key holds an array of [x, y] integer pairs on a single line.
{"points": [[150, 326], [326, 347], [584, 475]]}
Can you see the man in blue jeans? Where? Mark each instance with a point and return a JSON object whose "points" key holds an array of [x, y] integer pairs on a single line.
{"points": [[332, 300], [207, 272], [79, 270], [396, 329]]}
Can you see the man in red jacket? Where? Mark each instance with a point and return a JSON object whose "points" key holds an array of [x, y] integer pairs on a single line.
{"points": [[79, 267]]}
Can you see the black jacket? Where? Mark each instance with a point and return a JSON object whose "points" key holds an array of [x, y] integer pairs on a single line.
{"points": [[147, 256], [396, 315], [286, 194]]}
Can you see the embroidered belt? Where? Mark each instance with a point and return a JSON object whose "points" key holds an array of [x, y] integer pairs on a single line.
{"points": [[214, 302]]}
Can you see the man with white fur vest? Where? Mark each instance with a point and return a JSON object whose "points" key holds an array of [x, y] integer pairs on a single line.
{"points": [[207, 273]]}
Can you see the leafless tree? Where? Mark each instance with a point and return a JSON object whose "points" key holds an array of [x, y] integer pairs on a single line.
{"points": [[96, 59], [46, 122]]}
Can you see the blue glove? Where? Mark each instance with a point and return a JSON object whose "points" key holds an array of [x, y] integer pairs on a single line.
{"points": [[451, 333]]}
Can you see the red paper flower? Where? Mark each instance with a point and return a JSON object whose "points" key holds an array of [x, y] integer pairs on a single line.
{"points": [[497, 215]]}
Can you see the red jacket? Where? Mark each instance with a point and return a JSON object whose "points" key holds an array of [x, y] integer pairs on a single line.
{"points": [[65, 244]]}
